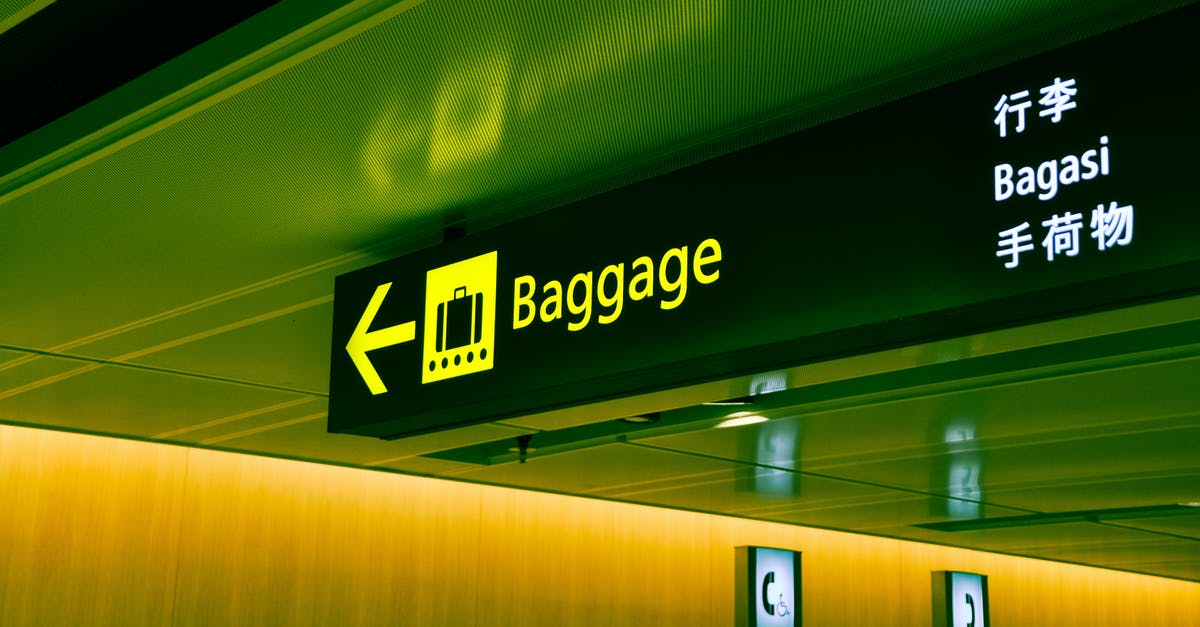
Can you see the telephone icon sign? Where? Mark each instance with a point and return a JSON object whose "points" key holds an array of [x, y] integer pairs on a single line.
{"points": [[766, 598]]}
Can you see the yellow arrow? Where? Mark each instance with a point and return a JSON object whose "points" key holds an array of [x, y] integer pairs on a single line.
{"points": [[361, 342]]}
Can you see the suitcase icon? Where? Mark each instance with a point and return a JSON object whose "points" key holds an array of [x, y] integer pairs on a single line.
{"points": [[459, 321]]}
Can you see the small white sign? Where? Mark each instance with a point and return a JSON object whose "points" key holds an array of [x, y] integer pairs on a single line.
{"points": [[968, 594], [960, 600], [769, 587], [775, 572]]}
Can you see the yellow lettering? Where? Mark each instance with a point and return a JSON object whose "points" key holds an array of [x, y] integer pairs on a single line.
{"points": [[709, 251], [584, 307], [553, 299], [523, 302], [679, 285], [607, 292], [645, 278], [616, 300]]}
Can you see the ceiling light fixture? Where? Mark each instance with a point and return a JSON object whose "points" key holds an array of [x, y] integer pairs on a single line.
{"points": [[740, 419]]}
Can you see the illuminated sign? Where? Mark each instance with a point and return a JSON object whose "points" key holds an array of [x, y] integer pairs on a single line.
{"points": [[1111, 223], [768, 587], [960, 600], [671, 280], [1005, 198]]}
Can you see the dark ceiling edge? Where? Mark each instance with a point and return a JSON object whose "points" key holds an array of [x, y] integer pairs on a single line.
{"points": [[208, 72], [110, 44], [394, 471], [30, 9]]}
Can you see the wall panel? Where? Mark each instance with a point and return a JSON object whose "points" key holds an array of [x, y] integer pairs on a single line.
{"points": [[555, 560], [276, 542], [99, 531], [89, 529]]}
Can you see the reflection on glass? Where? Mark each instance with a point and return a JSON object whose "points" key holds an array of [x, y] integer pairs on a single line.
{"points": [[964, 488], [504, 81], [775, 447], [613, 41], [468, 116], [963, 480], [768, 383]]}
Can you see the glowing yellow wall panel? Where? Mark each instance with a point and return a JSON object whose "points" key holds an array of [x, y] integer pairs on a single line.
{"points": [[88, 529], [275, 542], [554, 560], [98, 531]]}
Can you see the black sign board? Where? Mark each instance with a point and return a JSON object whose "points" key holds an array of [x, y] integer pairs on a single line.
{"points": [[1053, 186]]}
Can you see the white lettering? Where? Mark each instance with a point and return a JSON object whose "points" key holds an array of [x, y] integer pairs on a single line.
{"points": [[1004, 184], [1047, 179], [1049, 175]]}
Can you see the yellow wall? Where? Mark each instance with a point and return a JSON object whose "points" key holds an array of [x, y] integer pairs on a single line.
{"points": [[98, 531]]}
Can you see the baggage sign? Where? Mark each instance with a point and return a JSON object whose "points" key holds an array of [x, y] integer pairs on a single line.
{"points": [[1041, 189]]}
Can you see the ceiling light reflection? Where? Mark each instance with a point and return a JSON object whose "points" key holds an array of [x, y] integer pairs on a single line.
{"points": [[740, 419]]}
